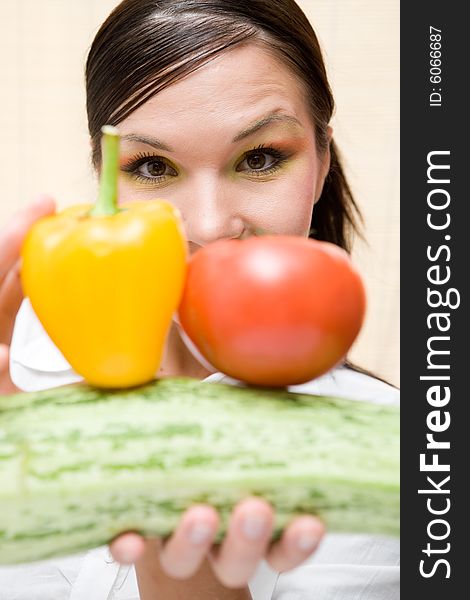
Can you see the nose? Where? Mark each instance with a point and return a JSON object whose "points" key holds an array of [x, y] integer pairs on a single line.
{"points": [[209, 211]]}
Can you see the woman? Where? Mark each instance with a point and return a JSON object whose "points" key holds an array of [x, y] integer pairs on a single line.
{"points": [[224, 110]]}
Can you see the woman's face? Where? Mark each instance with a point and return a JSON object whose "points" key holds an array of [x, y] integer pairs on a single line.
{"points": [[232, 146]]}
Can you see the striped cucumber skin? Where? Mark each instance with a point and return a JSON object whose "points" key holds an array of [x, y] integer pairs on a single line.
{"points": [[79, 465]]}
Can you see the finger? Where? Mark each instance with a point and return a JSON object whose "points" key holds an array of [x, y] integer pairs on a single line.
{"points": [[127, 548], [245, 544], [297, 543], [183, 553], [11, 295], [6, 384], [13, 233]]}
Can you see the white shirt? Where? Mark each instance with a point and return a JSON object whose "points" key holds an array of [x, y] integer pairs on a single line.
{"points": [[345, 567]]}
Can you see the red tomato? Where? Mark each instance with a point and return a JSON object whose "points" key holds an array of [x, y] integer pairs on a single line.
{"points": [[272, 310]]}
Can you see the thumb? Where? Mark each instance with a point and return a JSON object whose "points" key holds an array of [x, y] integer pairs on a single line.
{"points": [[14, 232], [6, 384]]}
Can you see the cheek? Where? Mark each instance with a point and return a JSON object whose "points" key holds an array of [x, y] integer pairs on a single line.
{"points": [[129, 191], [286, 205]]}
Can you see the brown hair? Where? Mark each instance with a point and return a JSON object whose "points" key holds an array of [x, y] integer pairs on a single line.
{"points": [[146, 45]]}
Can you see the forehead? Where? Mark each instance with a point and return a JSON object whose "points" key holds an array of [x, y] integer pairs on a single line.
{"points": [[236, 87]]}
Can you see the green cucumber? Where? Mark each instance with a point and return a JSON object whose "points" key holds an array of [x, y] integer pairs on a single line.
{"points": [[79, 465]]}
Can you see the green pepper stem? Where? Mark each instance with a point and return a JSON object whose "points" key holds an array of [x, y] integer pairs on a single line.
{"points": [[108, 189]]}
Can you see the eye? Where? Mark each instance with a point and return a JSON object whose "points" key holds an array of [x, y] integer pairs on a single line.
{"points": [[153, 168], [261, 160], [149, 168]]}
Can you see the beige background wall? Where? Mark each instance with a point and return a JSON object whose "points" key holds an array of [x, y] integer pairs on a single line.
{"points": [[44, 145]]}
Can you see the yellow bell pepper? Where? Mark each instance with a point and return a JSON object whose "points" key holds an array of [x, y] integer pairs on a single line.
{"points": [[105, 281]]}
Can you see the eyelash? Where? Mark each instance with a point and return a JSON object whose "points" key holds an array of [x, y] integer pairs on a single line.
{"points": [[142, 158], [279, 156]]}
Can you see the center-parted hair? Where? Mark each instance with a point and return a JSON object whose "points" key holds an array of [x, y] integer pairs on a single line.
{"points": [[146, 45]]}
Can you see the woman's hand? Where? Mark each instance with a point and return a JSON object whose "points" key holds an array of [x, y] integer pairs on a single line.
{"points": [[11, 295], [186, 556]]}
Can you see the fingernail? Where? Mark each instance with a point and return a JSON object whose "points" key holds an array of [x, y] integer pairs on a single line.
{"points": [[307, 542], [126, 557], [200, 533], [254, 527]]}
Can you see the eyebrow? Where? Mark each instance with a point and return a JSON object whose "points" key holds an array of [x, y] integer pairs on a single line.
{"points": [[145, 139], [256, 126], [264, 122]]}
